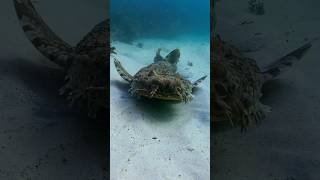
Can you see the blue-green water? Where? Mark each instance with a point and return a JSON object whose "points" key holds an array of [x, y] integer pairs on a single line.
{"points": [[166, 18]]}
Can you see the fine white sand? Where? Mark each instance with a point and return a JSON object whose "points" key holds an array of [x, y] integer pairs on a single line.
{"points": [[158, 140], [41, 138], [286, 144]]}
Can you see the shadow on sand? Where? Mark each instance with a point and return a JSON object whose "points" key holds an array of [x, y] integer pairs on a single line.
{"points": [[85, 139]]}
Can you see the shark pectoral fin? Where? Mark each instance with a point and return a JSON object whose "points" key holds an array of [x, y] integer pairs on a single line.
{"points": [[284, 63], [197, 82], [41, 36], [122, 72]]}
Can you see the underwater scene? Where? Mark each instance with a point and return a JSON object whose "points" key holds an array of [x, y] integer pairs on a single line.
{"points": [[265, 89], [160, 89]]}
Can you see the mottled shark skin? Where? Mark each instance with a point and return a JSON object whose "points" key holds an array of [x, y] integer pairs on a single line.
{"points": [[160, 79], [237, 81], [86, 64]]}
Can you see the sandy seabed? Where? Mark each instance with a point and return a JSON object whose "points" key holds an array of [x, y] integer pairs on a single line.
{"points": [[159, 140]]}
